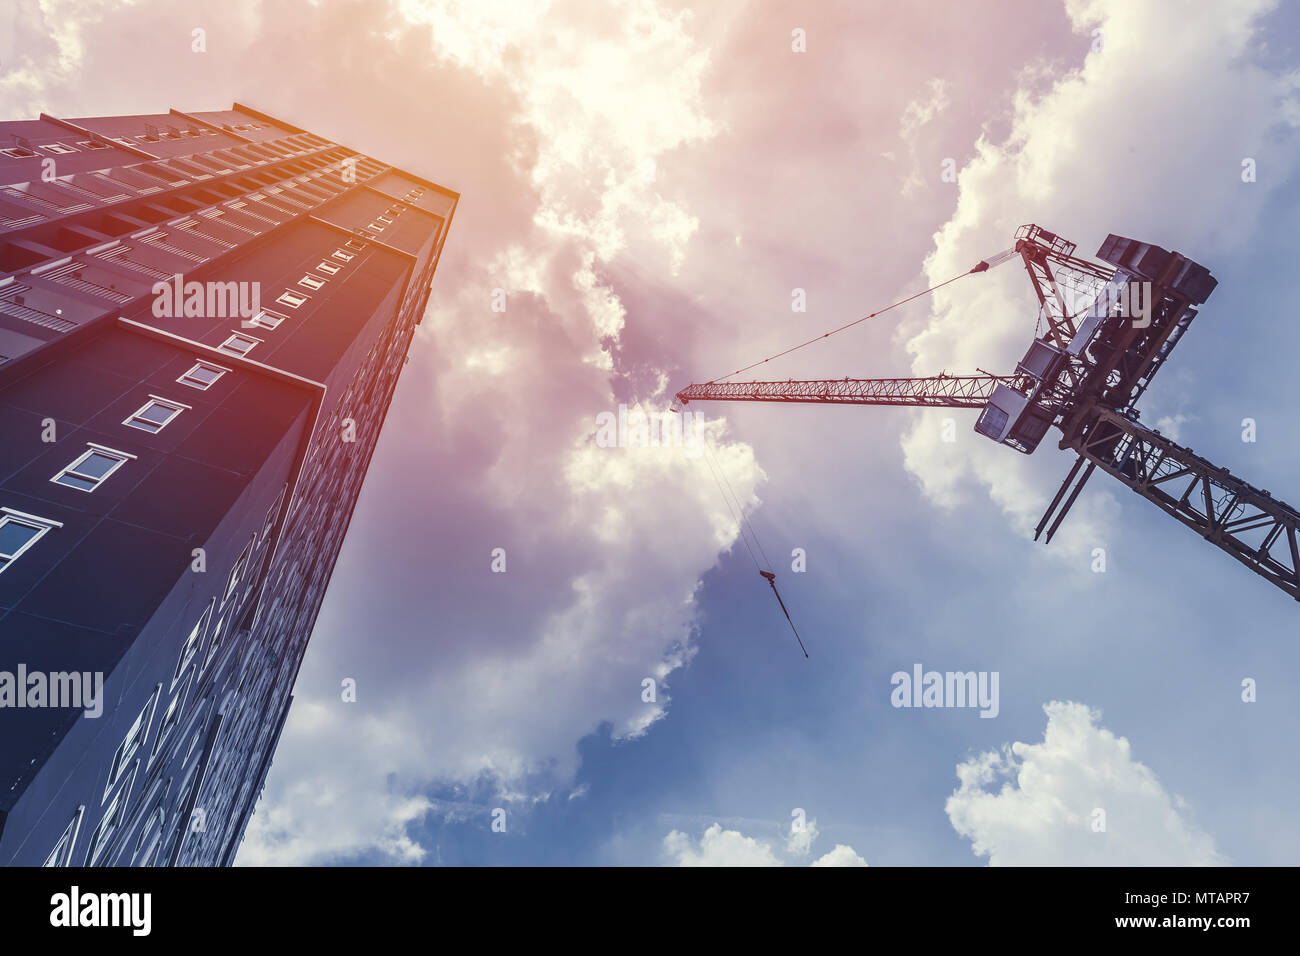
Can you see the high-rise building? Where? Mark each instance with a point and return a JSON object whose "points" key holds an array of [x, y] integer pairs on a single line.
{"points": [[202, 320]]}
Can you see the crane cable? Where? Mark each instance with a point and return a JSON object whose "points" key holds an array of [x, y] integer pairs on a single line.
{"points": [[738, 512], [741, 522], [771, 579], [983, 266]]}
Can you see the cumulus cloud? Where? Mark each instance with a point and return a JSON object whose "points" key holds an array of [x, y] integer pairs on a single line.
{"points": [[556, 148], [1080, 160], [565, 127], [841, 855], [1056, 795], [719, 847], [917, 114], [605, 546]]}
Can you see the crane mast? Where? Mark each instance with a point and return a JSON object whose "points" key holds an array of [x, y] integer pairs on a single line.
{"points": [[1104, 331]]}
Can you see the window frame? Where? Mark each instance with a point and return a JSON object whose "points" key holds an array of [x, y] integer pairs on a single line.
{"points": [[289, 303], [197, 724], [254, 322], [307, 280], [194, 641], [158, 812], [238, 568], [175, 709], [198, 383], [138, 414], [121, 458], [137, 734], [273, 513], [99, 840], [227, 349], [215, 643], [61, 854], [42, 526]]}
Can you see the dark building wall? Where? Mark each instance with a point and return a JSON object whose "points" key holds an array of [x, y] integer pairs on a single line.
{"points": [[110, 589], [258, 474]]}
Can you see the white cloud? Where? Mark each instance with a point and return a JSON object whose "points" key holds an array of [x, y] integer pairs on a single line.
{"points": [[1046, 810], [841, 856], [719, 847], [606, 95], [1081, 160], [623, 535], [567, 137], [507, 685], [917, 114]]}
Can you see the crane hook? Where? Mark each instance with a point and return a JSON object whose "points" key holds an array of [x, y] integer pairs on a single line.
{"points": [[771, 579]]}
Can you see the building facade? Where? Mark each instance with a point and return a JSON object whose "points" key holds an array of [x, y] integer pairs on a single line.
{"points": [[202, 320]]}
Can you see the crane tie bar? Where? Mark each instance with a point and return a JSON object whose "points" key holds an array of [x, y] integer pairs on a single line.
{"points": [[983, 266]]}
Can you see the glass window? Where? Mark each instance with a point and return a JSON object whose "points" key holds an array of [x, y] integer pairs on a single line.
{"points": [[215, 644], [239, 344], [991, 422], [130, 744], [191, 645], [202, 375], [61, 855], [170, 718], [265, 319], [18, 532], [91, 470], [154, 415], [108, 826], [146, 844], [237, 570], [16, 537]]}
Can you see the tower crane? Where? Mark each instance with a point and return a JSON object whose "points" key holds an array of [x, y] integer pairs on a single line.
{"points": [[1105, 331]]}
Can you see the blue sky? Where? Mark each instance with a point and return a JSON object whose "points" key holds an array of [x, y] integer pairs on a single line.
{"points": [[1158, 645], [648, 184]]}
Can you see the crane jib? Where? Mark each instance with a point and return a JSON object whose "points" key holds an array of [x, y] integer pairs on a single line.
{"points": [[1083, 375]]}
